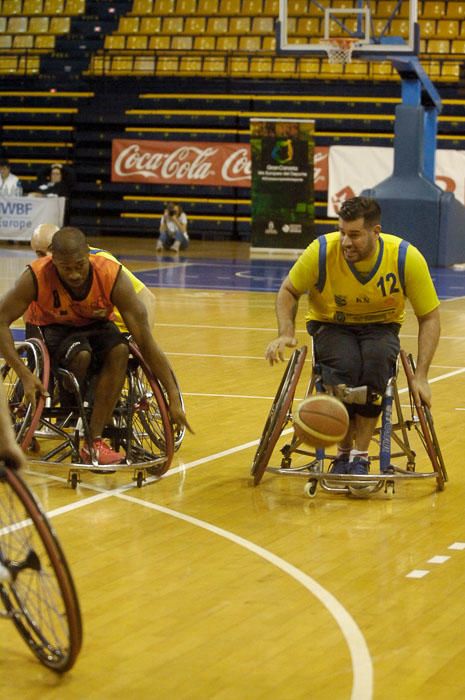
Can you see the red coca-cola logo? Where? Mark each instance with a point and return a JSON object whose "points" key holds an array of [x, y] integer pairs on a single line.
{"points": [[185, 162]]}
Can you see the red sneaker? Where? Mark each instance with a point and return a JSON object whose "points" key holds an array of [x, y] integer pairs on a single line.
{"points": [[102, 452]]}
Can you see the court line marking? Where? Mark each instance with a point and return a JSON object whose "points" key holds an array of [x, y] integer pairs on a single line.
{"points": [[361, 662], [362, 666]]}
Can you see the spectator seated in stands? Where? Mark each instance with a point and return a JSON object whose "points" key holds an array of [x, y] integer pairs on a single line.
{"points": [[54, 181], [10, 185]]}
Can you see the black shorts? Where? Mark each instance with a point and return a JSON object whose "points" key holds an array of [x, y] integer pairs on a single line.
{"points": [[358, 355], [63, 342]]}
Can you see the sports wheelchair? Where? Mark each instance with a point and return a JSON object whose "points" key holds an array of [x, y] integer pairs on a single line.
{"points": [[51, 434], [405, 435]]}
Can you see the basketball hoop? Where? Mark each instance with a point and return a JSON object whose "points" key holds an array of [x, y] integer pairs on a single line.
{"points": [[339, 50]]}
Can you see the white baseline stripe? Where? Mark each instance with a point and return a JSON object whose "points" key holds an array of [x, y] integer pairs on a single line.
{"points": [[362, 667]]}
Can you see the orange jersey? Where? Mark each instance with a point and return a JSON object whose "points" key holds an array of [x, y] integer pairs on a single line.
{"points": [[55, 304]]}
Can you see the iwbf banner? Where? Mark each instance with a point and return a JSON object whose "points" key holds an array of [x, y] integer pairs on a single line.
{"points": [[282, 183], [19, 216]]}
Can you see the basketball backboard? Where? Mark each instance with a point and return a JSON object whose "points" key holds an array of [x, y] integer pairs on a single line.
{"points": [[375, 29]]}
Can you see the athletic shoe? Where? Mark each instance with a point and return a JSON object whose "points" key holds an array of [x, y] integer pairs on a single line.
{"points": [[159, 247], [340, 465], [359, 467], [175, 247], [102, 452]]}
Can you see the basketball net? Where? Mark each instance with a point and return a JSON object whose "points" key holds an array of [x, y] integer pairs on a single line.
{"points": [[339, 50]]}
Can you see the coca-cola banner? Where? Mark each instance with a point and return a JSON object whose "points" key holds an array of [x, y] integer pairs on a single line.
{"points": [[181, 162], [282, 183], [193, 163], [373, 164]]}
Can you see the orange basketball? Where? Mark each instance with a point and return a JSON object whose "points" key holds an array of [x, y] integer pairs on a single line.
{"points": [[321, 420]]}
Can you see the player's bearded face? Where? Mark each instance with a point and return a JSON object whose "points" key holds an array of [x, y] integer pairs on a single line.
{"points": [[358, 241]]}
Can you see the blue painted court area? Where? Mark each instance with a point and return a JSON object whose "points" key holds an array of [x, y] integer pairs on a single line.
{"points": [[257, 275]]}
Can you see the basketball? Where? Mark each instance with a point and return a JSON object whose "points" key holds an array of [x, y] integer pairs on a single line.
{"points": [[321, 420]]}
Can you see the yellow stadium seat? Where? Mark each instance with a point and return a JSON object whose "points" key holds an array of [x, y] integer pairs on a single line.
{"points": [[163, 7], [29, 64], [32, 7], [149, 25], [75, 7], [381, 70], [8, 64], [54, 7], [44, 41], [239, 25], [217, 25], [191, 65], [357, 69], [17, 25], [457, 46], [60, 25], [182, 43], [185, 7], [238, 65], [144, 64], [433, 10], [23, 41], [455, 10], [195, 25], [447, 29], [207, 7], [2, 25], [173, 25], [252, 8], [400, 27], [159, 42], [284, 66], [128, 25], [263, 25], [308, 26], [451, 71], [204, 43], [427, 28], [271, 7], [227, 43], [142, 7], [385, 8], [12, 7], [214, 65], [137, 42], [438, 46], [38, 25], [230, 7], [250, 43], [6, 41], [167, 65], [115, 42], [261, 66], [269, 43], [122, 65], [297, 8], [308, 67]]}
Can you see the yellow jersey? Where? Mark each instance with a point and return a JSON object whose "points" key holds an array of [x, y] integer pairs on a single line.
{"points": [[371, 291]]}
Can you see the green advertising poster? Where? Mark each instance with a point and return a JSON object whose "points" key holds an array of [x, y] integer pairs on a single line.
{"points": [[282, 183]]}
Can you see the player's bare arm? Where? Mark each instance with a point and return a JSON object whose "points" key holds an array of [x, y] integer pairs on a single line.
{"points": [[135, 317], [287, 303], [429, 330], [12, 306]]}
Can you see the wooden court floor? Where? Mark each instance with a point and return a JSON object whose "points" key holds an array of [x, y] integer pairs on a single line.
{"points": [[203, 587]]}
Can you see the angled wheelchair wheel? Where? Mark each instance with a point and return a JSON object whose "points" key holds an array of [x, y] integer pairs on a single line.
{"points": [[152, 435], [425, 425], [279, 414], [35, 356], [36, 586]]}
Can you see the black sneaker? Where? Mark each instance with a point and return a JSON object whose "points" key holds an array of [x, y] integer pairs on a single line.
{"points": [[340, 465], [359, 467]]}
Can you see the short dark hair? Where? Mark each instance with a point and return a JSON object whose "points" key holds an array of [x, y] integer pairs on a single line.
{"points": [[357, 207], [4, 163]]}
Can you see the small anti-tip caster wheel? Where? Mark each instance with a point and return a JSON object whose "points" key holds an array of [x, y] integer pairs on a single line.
{"points": [[310, 488]]}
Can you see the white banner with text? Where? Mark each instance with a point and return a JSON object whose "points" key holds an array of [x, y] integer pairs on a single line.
{"points": [[356, 168], [19, 216]]}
